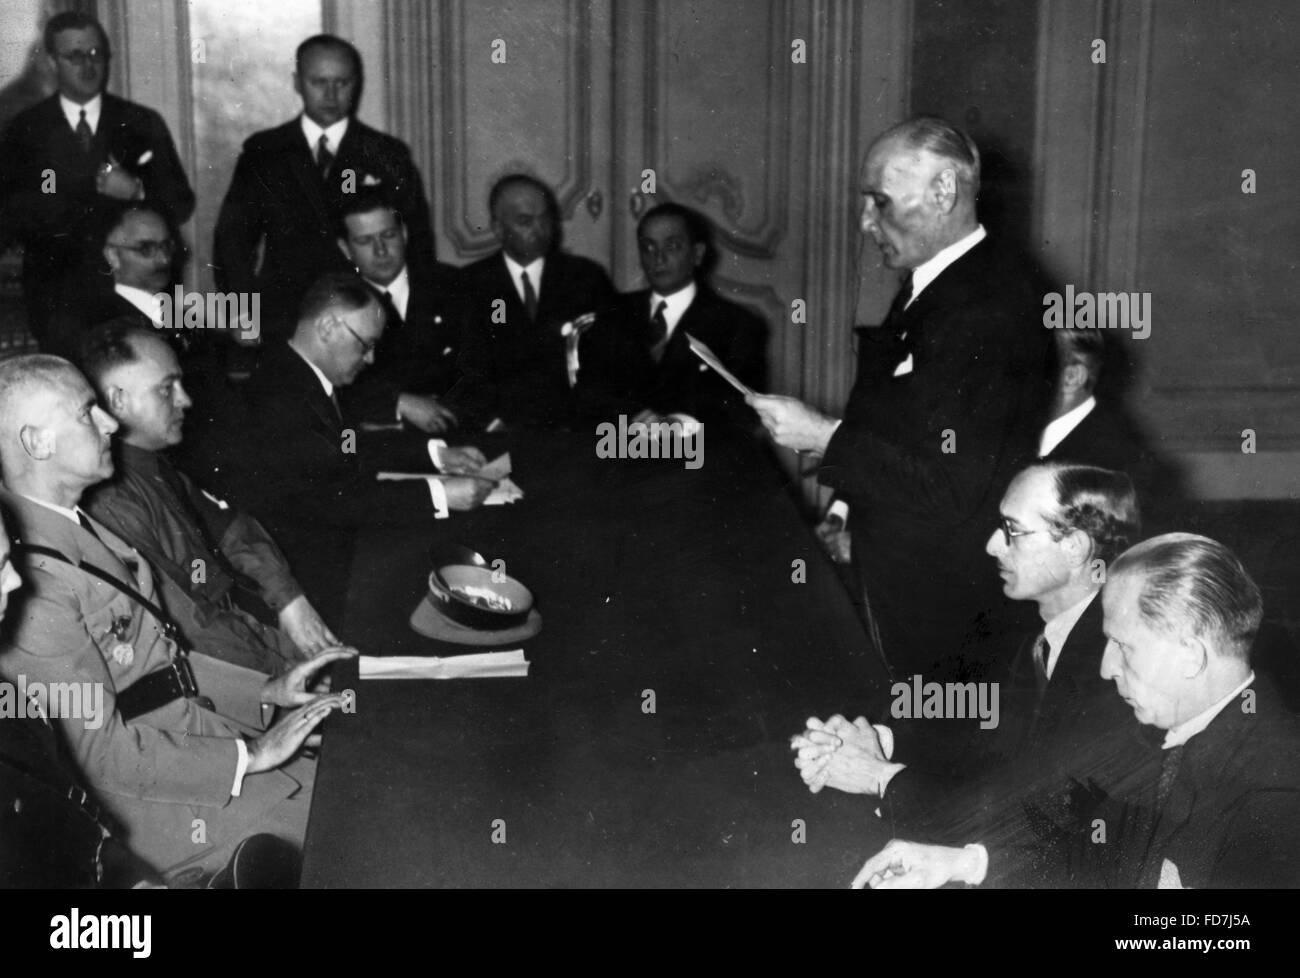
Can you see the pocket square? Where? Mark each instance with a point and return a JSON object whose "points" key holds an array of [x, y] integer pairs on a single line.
{"points": [[370, 180], [904, 368]]}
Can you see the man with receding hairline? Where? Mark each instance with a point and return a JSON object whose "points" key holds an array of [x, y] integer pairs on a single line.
{"points": [[289, 182], [949, 399], [1215, 801], [163, 760]]}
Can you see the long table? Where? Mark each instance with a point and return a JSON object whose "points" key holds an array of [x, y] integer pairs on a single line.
{"points": [[691, 624]]}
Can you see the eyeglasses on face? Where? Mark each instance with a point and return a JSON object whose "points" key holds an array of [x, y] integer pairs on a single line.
{"points": [[83, 58], [1009, 534], [367, 346], [150, 249]]}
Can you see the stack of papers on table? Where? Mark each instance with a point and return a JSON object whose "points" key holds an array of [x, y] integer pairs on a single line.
{"points": [[498, 470], [478, 665]]}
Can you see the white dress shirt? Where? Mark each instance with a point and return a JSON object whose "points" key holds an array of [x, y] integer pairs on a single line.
{"points": [[1058, 429], [677, 304], [927, 272], [534, 270], [333, 135], [399, 290], [149, 303], [72, 112], [1185, 731], [1058, 630]]}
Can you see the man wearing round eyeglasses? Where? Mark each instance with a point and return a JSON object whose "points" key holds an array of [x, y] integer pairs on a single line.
{"points": [[67, 158]]}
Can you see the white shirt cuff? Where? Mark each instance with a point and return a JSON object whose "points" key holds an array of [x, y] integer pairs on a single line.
{"points": [[838, 508], [435, 447], [438, 493], [982, 863], [241, 768]]}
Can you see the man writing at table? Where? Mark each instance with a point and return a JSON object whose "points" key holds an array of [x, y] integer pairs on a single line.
{"points": [[312, 481], [1217, 801], [948, 402], [176, 772]]}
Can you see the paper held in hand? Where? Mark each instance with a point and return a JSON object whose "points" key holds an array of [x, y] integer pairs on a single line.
{"points": [[476, 665], [708, 356]]}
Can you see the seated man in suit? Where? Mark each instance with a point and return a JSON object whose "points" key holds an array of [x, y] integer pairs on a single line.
{"points": [[290, 181], [949, 399], [673, 242], [167, 756], [1059, 527], [514, 362], [219, 569], [1216, 801], [70, 156], [312, 479], [56, 836], [415, 362]]}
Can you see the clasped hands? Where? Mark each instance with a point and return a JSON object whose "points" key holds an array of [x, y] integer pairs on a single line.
{"points": [[842, 755]]}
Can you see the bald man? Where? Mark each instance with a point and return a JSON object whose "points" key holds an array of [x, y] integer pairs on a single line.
{"points": [[951, 394], [167, 754]]}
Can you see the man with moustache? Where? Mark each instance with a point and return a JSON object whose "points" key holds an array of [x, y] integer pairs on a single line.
{"points": [[170, 761], [218, 568], [514, 358], [950, 397], [290, 182], [424, 312], [1216, 800], [67, 158]]}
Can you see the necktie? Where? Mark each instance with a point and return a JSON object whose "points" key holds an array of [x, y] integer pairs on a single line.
{"points": [[900, 302], [1041, 649], [85, 525], [530, 298], [658, 332], [84, 135], [338, 411], [324, 158], [392, 318], [1169, 761]]}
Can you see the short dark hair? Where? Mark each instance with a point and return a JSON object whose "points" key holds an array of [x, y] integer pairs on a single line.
{"points": [[523, 180], [109, 345], [1191, 579], [115, 215], [327, 42], [1100, 502], [73, 20], [1082, 346], [344, 290], [943, 139], [697, 226], [364, 201]]}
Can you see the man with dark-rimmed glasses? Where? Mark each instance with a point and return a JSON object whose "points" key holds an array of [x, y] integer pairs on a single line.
{"points": [[67, 158], [1059, 526]]}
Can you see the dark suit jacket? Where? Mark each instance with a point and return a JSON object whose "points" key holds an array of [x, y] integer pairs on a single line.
{"points": [[50, 839], [84, 303], [921, 514], [277, 196], [417, 355], [305, 487], [680, 382], [1107, 439], [515, 369], [57, 229]]}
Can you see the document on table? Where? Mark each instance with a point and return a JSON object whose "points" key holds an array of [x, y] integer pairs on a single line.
{"points": [[477, 665], [497, 470]]}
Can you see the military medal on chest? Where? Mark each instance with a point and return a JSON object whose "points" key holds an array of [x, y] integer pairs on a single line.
{"points": [[122, 651]]}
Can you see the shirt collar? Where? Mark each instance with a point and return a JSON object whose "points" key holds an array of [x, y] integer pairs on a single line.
{"points": [[333, 134], [1185, 731], [1057, 429], [149, 303], [1058, 629], [72, 111], [399, 290], [73, 514], [324, 381], [927, 272], [534, 270], [678, 303]]}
